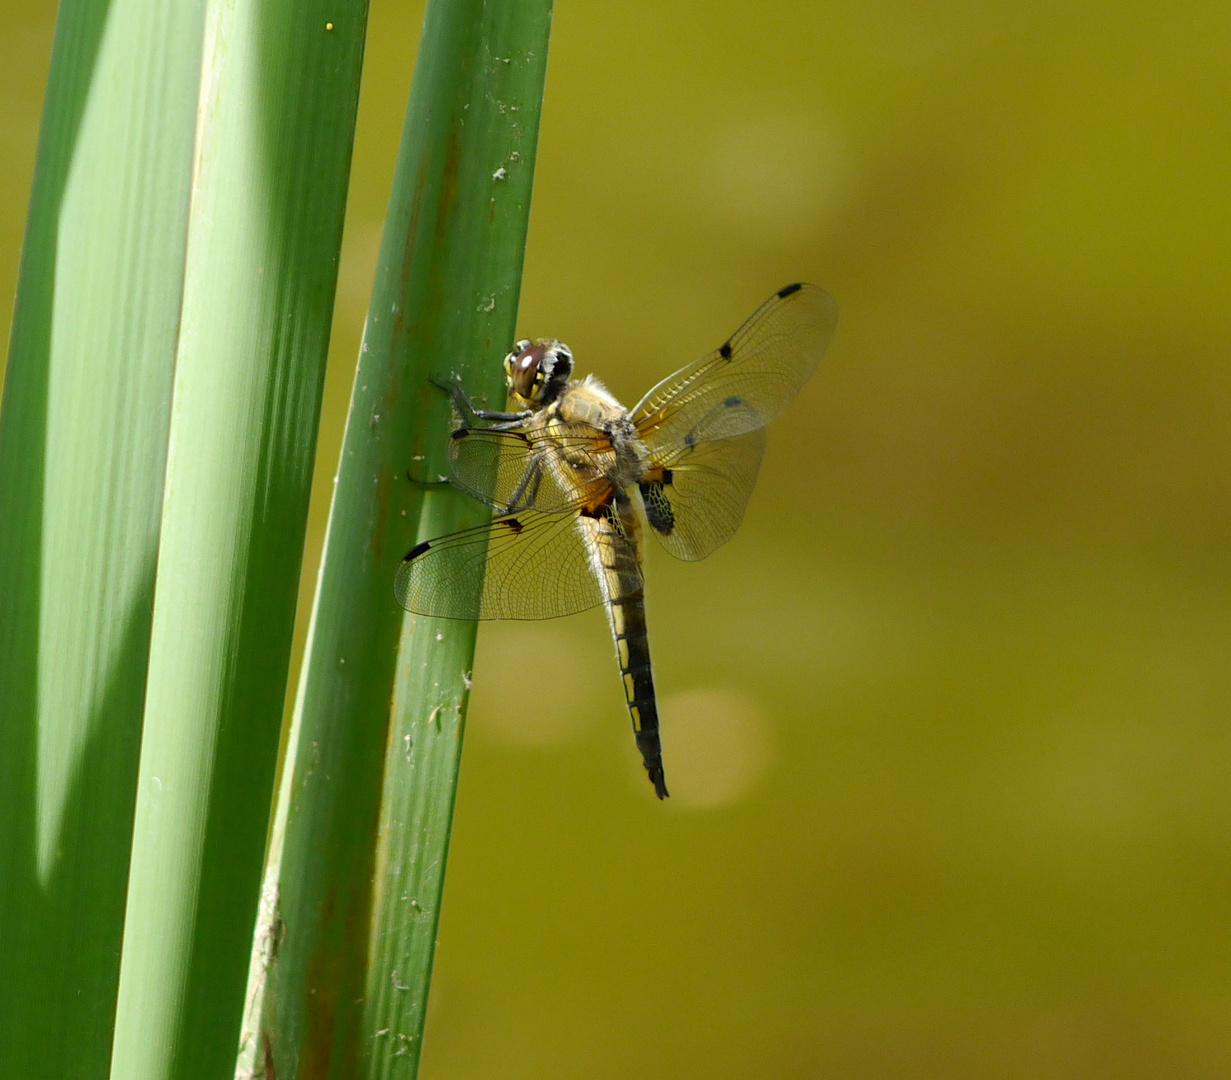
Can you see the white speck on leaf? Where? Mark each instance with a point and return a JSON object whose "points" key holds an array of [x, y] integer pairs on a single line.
{"points": [[499, 174]]}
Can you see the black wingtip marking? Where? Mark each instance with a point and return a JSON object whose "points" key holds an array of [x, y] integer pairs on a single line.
{"points": [[725, 348], [460, 433], [513, 524], [668, 476], [416, 551], [732, 402], [788, 290]]}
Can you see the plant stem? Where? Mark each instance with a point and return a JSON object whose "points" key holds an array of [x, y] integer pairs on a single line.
{"points": [[372, 772]]}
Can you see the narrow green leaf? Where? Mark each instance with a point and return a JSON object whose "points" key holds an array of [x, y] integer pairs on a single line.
{"points": [[83, 438], [279, 91], [370, 781]]}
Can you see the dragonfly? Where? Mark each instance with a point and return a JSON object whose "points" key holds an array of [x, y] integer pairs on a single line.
{"points": [[575, 481]]}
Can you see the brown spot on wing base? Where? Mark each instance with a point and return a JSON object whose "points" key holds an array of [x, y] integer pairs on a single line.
{"points": [[600, 505]]}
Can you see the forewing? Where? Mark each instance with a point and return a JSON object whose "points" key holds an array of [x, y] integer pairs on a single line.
{"points": [[520, 468], [526, 566], [698, 501], [749, 380]]}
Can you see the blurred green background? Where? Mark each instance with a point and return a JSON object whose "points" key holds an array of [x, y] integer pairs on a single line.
{"points": [[946, 725]]}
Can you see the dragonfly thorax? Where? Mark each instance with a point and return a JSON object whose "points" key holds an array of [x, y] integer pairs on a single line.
{"points": [[587, 401]]}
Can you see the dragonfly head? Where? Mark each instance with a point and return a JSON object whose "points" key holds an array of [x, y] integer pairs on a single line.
{"points": [[538, 370]]}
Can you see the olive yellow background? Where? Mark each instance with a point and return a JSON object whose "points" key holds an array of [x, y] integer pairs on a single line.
{"points": [[946, 724]]}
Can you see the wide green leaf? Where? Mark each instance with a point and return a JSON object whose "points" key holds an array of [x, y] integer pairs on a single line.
{"points": [[83, 436], [277, 108]]}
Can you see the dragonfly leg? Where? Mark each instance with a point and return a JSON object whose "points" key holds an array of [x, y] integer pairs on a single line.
{"points": [[534, 492], [532, 476], [453, 387]]}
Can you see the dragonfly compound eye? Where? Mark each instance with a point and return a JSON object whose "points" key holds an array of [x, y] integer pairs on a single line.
{"points": [[523, 369]]}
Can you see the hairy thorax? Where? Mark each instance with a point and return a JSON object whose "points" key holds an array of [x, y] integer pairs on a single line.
{"points": [[589, 402]]}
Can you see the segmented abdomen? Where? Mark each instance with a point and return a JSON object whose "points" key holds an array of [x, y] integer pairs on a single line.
{"points": [[614, 537]]}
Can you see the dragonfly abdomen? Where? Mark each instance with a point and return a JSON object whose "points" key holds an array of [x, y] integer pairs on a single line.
{"points": [[615, 538], [633, 648]]}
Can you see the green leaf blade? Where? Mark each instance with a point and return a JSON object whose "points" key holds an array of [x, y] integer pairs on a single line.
{"points": [[82, 455], [274, 135], [444, 302]]}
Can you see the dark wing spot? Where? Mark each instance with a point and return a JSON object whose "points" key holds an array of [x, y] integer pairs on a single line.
{"points": [[658, 511], [513, 524], [416, 551], [690, 440], [725, 350], [787, 290], [668, 475], [731, 402], [460, 433]]}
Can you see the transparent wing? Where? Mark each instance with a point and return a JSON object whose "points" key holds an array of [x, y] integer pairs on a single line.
{"points": [[525, 467], [704, 426], [528, 566], [697, 499], [746, 382]]}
